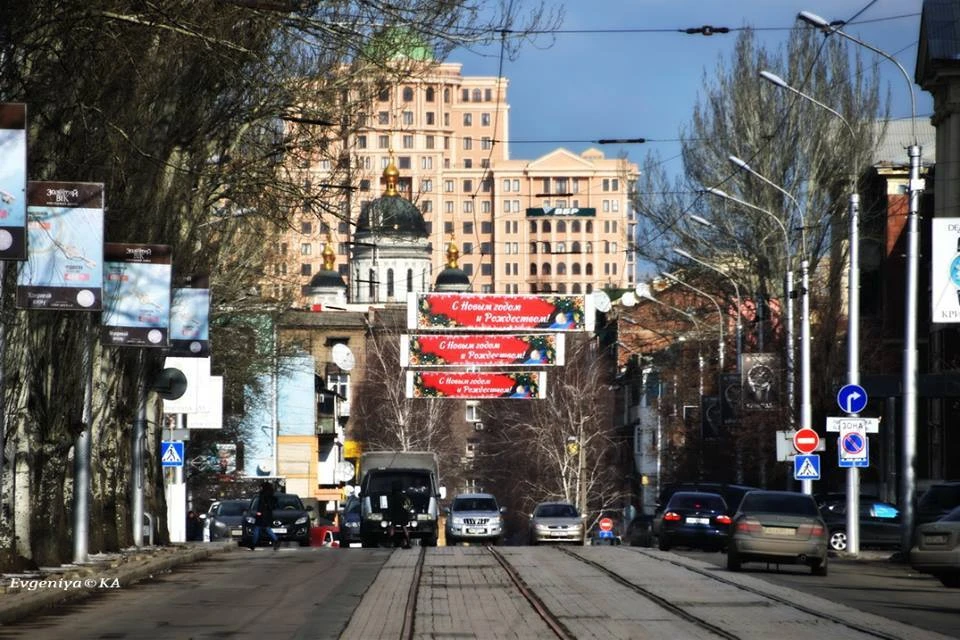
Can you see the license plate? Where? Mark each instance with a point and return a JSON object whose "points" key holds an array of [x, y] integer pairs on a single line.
{"points": [[476, 531], [779, 531], [236, 532], [940, 539], [698, 520], [279, 529], [559, 534]]}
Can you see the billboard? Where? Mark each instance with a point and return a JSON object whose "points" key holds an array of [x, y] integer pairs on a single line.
{"points": [[760, 381], [537, 212], [945, 270], [730, 398], [64, 267], [500, 312], [481, 350], [711, 422], [13, 182], [190, 323], [136, 295], [522, 385]]}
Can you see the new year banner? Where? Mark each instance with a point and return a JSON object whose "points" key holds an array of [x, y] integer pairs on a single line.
{"points": [[501, 312], [524, 385], [13, 182], [64, 267], [487, 350]]}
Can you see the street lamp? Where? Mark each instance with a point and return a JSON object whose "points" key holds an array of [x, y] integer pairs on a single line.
{"points": [[806, 406], [916, 185], [670, 276], [736, 290], [853, 314]]}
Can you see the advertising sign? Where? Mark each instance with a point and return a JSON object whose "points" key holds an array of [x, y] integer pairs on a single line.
{"points": [[760, 381], [730, 398], [524, 385], [500, 312], [136, 295], [945, 270], [487, 350], [190, 323], [534, 212], [13, 182], [64, 267], [711, 424]]}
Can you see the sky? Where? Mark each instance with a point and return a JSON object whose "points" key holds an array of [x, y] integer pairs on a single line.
{"points": [[588, 86]]}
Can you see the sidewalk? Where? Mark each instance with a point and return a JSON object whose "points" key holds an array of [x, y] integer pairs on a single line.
{"points": [[25, 594]]}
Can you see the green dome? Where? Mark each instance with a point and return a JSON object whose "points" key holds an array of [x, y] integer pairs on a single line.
{"points": [[391, 214]]}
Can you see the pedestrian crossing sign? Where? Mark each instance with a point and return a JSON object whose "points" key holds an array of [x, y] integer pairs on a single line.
{"points": [[806, 467], [171, 453]]}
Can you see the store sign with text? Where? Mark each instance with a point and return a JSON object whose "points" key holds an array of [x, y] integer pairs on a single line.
{"points": [[481, 350], [524, 385], [500, 312], [582, 212], [136, 295]]}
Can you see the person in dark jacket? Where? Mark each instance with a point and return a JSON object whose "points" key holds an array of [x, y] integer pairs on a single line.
{"points": [[399, 511], [194, 526], [266, 503]]}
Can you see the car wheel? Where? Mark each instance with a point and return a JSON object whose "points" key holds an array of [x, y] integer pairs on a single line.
{"points": [[838, 540], [663, 544], [733, 560], [951, 580], [819, 568]]}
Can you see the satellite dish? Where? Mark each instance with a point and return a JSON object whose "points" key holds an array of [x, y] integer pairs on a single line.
{"points": [[628, 299], [601, 301], [343, 357], [171, 384]]}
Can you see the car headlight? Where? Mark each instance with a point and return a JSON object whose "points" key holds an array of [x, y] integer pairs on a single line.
{"points": [[543, 527], [249, 519], [456, 520], [301, 520]]}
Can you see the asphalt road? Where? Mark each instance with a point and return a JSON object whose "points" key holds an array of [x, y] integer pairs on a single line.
{"points": [[888, 589]]}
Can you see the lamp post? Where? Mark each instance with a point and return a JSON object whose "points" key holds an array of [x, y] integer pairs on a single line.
{"points": [[806, 407], [736, 290], [670, 276], [916, 185], [853, 313]]}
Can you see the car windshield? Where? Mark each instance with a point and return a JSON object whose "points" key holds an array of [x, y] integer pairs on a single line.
{"points": [[940, 497], [410, 481], [288, 501], [781, 503], [556, 511], [705, 501], [953, 516], [232, 508], [474, 504]]}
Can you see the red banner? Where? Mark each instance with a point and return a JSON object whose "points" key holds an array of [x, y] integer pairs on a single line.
{"points": [[476, 385], [486, 350], [500, 311]]}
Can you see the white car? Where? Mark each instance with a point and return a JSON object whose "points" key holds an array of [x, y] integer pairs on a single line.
{"points": [[556, 522], [474, 517]]}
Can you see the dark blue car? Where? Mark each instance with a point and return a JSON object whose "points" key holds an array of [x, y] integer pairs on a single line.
{"points": [[694, 519]]}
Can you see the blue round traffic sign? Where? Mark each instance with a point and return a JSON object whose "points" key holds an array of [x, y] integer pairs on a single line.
{"points": [[853, 443], [852, 398]]}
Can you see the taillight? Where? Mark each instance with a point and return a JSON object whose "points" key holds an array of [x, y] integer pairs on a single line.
{"points": [[671, 516], [816, 531], [723, 519], [748, 526]]}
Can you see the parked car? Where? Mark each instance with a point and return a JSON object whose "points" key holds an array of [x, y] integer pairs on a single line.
{"points": [[556, 522], [694, 519], [291, 521], [937, 501], [937, 549], [879, 524], [350, 524], [224, 519], [643, 529], [780, 527], [474, 517]]}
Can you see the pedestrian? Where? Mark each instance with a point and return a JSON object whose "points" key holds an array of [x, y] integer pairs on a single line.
{"points": [[266, 503], [194, 526], [399, 512]]}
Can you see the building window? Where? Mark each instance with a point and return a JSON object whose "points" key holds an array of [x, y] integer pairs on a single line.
{"points": [[561, 247], [486, 227], [383, 117], [407, 94], [485, 119], [305, 269], [372, 284], [426, 206], [533, 268], [361, 142], [506, 184], [575, 268], [477, 95], [430, 144], [446, 95], [473, 411], [486, 143], [390, 291], [468, 206], [561, 269], [431, 118], [465, 95], [468, 269], [545, 269], [409, 280], [488, 95], [589, 268], [468, 186], [448, 206], [485, 206], [468, 119], [468, 248], [547, 227], [407, 141], [615, 205], [467, 143], [486, 249], [486, 269], [561, 226], [589, 227], [448, 226], [426, 185], [383, 142], [468, 228], [383, 95], [306, 249], [546, 247], [426, 162], [606, 209], [306, 228], [430, 94], [484, 163], [468, 163], [448, 186], [606, 184], [408, 118], [533, 247], [403, 162]]}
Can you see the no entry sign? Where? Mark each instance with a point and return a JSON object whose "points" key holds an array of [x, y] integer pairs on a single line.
{"points": [[806, 440]]}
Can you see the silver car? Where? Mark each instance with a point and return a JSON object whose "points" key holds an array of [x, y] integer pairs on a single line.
{"points": [[474, 517], [556, 522], [936, 549], [778, 527]]}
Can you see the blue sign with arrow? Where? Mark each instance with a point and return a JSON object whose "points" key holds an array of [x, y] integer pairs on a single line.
{"points": [[852, 398]]}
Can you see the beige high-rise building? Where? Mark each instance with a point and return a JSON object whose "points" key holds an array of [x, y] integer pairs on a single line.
{"points": [[559, 223]]}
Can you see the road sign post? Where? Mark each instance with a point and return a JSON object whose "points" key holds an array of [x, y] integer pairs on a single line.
{"points": [[852, 399]]}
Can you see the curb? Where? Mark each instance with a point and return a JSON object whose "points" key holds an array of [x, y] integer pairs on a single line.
{"points": [[19, 605]]}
